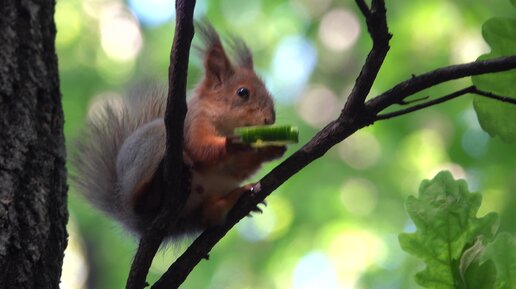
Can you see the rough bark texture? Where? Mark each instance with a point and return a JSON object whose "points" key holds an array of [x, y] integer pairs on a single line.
{"points": [[33, 211]]}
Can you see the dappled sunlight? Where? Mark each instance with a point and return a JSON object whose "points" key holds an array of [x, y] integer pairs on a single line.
{"points": [[474, 142], [359, 196], [120, 34], [238, 12], [153, 12], [274, 222], [494, 200], [432, 24], [360, 151], [339, 29], [468, 46], [311, 7], [318, 105], [113, 71], [422, 151], [68, 18], [292, 64], [349, 253], [75, 267], [315, 270]]}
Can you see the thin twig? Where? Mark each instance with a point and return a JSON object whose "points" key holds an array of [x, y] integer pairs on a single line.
{"points": [[419, 99], [506, 99], [363, 8], [172, 164], [470, 89], [440, 75], [432, 102]]}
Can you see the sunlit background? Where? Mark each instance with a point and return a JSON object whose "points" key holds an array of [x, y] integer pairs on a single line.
{"points": [[335, 224]]}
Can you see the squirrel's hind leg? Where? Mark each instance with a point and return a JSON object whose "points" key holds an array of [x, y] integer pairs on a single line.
{"points": [[215, 209]]}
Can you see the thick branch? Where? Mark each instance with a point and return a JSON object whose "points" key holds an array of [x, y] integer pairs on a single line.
{"points": [[173, 162], [377, 26], [418, 83]]}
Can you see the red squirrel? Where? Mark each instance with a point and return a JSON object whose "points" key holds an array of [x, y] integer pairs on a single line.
{"points": [[118, 162]]}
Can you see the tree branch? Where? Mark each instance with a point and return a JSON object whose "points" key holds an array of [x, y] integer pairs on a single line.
{"points": [[506, 99], [418, 83], [173, 161], [363, 8], [470, 89], [332, 134], [351, 119], [377, 27], [433, 102]]}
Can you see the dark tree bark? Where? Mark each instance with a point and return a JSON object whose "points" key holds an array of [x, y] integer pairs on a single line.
{"points": [[33, 211]]}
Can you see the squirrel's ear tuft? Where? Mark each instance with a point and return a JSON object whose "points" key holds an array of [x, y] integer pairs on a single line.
{"points": [[242, 54], [216, 63]]}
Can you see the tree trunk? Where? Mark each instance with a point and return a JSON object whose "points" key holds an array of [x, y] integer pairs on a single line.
{"points": [[33, 211]]}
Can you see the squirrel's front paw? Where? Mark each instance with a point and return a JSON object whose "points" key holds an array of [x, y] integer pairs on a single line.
{"points": [[272, 152], [233, 144]]}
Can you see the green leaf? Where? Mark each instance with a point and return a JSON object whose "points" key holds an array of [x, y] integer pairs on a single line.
{"points": [[481, 275], [495, 117], [445, 217], [473, 271], [503, 253]]}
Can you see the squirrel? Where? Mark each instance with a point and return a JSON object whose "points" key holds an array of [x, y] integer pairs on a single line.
{"points": [[118, 163]]}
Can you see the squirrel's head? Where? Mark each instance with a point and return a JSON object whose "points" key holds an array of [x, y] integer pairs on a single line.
{"points": [[231, 91]]}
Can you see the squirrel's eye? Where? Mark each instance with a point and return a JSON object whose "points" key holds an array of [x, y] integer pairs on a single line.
{"points": [[243, 93]]}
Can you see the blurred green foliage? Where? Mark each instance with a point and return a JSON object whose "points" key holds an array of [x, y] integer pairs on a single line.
{"points": [[334, 224], [497, 118]]}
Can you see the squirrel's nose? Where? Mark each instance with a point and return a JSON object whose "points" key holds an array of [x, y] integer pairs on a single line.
{"points": [[269, 119]]}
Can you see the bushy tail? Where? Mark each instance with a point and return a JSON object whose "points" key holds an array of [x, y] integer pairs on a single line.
{"points": [[94, 158]]}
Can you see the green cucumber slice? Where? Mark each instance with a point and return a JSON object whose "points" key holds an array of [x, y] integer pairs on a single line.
{"points": [[268, 135]]}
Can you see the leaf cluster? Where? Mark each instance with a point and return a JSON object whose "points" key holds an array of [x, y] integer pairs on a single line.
{"points": [[460, 250]]}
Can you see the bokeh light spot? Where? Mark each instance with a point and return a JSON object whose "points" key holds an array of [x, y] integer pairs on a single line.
{"points": [[474, 142], [292, 65], [361, 151], [432, 22], [75, 269], [422, 151], [238, 12], [314, 270], [153, 12], [318, 106], [354, 251], [120, 34], [273, 222], [468, 46], [359, 196], [339, 29], [68, 23], [311, 7]]}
